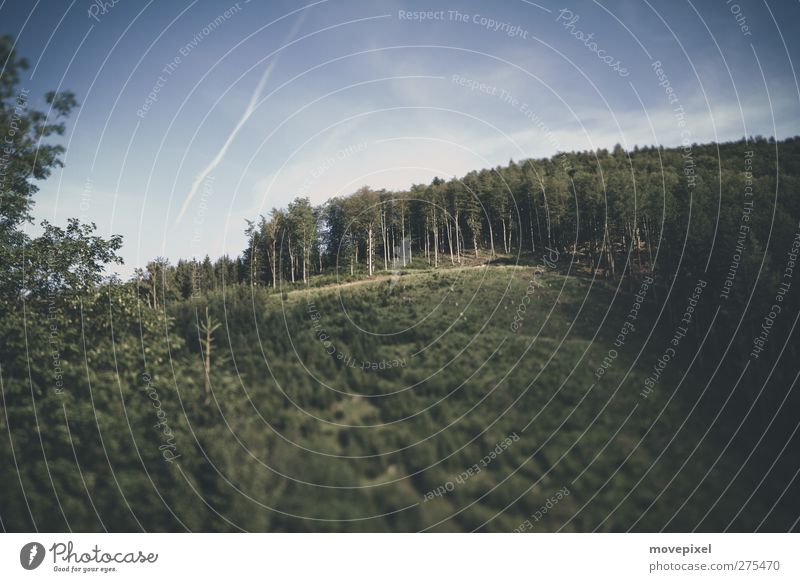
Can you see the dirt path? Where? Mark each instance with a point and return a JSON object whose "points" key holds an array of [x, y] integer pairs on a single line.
{"points": [[381, 278]]}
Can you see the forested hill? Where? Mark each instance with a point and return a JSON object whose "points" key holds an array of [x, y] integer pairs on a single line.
{"points": [[717, 209], [598, 341], [582, 330]]}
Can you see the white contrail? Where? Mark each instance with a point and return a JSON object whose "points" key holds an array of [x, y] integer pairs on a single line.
{"points": [[251, 107]]}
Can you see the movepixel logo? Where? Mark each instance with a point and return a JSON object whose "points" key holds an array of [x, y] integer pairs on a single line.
{"points": [[31, 555]]}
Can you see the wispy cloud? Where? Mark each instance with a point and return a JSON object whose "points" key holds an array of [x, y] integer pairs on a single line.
{"points": [[249, 110]]}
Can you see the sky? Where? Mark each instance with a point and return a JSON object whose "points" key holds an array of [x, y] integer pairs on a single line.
{"points": [[196, 116]]}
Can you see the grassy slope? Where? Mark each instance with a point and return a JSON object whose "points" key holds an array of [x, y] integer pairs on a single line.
{"points": [[375, 441]]}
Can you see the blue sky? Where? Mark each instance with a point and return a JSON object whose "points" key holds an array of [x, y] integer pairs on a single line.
{"points": [[279, 99]]}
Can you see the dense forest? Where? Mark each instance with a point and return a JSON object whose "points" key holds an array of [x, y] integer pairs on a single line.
{"points": [[483, 317], [618, 214]]}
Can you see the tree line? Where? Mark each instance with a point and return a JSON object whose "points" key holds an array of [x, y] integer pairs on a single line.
{"points": [[615, 214]]}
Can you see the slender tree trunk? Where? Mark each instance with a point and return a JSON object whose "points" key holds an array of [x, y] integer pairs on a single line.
{"points": [[450, 242], [458, 238], [208, 327], [370, 250], [530, 226], [649, 246], [254, 268], [291, 259], [609, 252], [638, 243], [392, 244], [538, 224], [427, 242], [410, 240], [384, 238], [208, 363], [593, 255], [273, 264], [511, 231], [435, 240], [403, 239]]}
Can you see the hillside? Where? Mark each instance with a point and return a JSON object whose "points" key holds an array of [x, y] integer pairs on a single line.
{"points": [[600, 340], [379, 401]]}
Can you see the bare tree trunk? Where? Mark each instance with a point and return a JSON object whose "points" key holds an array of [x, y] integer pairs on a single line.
{"points": [[593, 255], [638, 243], [208, 327], [511, 230], [274, 264], [427, 242], [410, 238], [410, 243], [458, 239], [530, 224], [370, 250], [383, 236], [435, 239], [208, 364], [539, 224], [609, 252], [450, 241], [649, 246], [392, 244], [403, 239], [291, 259]]}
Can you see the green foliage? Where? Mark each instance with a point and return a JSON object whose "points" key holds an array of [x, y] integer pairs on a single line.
{"points": [[343, 389]]}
